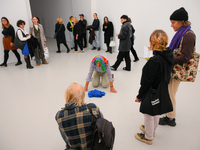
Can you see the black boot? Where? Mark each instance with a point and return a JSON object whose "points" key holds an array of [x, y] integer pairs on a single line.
{"points": [[28, 63], [110, 50], [93, 48], [3, 64], [18, 63]]}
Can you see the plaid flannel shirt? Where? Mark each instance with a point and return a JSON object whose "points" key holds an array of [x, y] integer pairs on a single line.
{"points": [[75, 125]]}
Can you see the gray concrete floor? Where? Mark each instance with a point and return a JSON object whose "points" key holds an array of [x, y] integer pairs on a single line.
{"points": [[29, 100]]}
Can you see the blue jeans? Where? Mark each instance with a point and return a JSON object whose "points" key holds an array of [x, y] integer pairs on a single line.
{"points": [[97, 39], [71, 35]]}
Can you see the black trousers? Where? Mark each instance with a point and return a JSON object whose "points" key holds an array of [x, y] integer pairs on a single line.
{"points": [[77, 42], [6, 55], [58, 45], [134, 53], [120, 57], [83, 38]]}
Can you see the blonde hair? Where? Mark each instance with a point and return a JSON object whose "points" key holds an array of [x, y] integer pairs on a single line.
{"points": [[75, 93], [75, 20], [158, 40], [59, 20]]}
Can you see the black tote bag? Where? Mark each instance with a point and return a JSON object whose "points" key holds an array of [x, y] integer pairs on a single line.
{"points": [[18, 43], [157, 101]]}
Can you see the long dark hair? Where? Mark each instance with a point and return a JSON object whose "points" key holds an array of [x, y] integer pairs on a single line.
{"points": [[105, 21], [8, 23], [37, 18]]}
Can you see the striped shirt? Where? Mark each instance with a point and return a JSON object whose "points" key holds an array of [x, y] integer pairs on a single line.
{"points": [[75, 125]]}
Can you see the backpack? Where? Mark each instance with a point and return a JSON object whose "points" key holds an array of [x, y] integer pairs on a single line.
{"points": [[103, 133]]}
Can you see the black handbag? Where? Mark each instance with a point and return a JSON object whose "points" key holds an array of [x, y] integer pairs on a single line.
{"points": [[157, 101], [18, 43]]}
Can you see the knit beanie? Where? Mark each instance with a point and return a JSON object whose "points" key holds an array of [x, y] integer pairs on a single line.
{"points": [[180, 15]]}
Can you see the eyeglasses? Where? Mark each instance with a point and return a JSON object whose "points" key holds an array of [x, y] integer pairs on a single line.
{"points": [[3, 21]]}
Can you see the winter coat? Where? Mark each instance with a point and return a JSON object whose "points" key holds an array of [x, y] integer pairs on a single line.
{"points": [[151, 72], [32, 45], [125, 37], [92, 34], [42, 35], [132, 38], [68, 26], [108, 32], [83, 25], [60, 38]]}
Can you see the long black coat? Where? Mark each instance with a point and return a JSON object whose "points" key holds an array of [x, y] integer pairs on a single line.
{"points": [[60, 38], [108, 32], [132, 38]]}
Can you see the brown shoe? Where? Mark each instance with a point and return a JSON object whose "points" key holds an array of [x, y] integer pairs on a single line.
{"points": [[46, 63], [142, 127], [37, 64], [141, 137]]}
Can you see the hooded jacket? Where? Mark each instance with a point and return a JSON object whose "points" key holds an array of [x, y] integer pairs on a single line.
{"points": [[151, 72], [125, 37]]}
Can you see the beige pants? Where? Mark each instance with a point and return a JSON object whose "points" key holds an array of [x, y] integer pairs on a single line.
{"points": [[150, 123], [173, 87], [96, 79]]}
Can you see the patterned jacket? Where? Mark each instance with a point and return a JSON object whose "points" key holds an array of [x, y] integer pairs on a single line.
{"points": [[75, 125]]}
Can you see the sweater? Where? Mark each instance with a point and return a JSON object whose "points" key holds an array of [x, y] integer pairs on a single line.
{"points": [[77, 29], [10, 31], [187, 48], [95, 24]]}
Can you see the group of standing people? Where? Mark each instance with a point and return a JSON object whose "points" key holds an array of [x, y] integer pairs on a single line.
{"points": [[34, 46], [157, 70], [77, 33]]}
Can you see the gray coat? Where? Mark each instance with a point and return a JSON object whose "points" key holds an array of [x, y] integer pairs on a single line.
{"points": [[125, 37], [42, 35]]}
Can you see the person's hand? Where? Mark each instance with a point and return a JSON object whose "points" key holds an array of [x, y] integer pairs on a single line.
{"points": [[117, 34], [28, 35], [11, 44], [71, 26], [76, 37], [137, 100], [105, 27], [86, 88], [44, 43], [91, 29], [112, 90]]}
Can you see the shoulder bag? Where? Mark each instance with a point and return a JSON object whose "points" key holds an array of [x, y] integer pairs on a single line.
{"points": [[18, 43], [187, 71], [55, 35]]}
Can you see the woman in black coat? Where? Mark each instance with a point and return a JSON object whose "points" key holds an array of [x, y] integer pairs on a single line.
{"points": [[60, 38], [108, 33], [157, 69], [77, 35]]}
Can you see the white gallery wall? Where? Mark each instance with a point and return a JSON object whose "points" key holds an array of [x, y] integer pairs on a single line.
{"points": [[146, 15], [14, 10]]}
